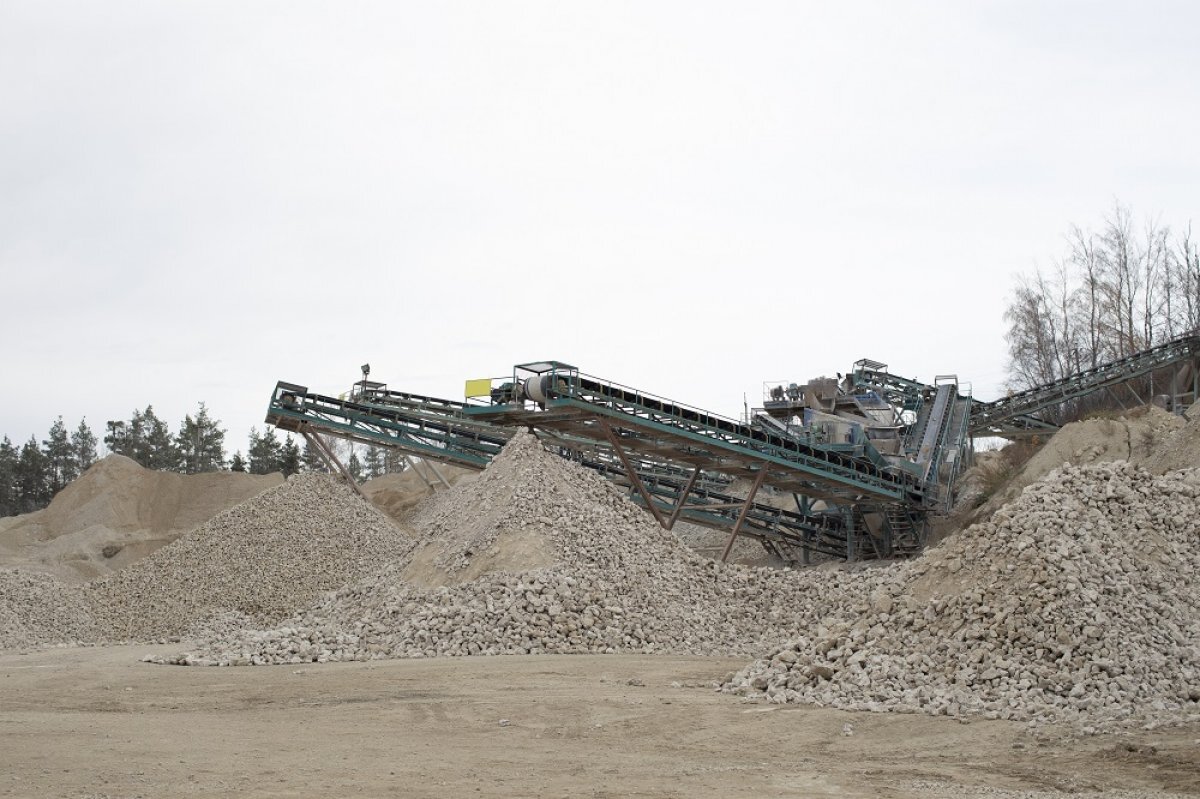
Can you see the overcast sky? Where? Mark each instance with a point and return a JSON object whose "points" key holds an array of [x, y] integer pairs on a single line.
{"points": [[198, 199]]}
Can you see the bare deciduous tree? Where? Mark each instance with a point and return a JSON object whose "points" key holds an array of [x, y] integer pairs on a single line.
{"points": [[1112, 294]]}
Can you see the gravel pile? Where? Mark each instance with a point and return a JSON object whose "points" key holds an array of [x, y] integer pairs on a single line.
{"points": [[613, 581], [1078, 602], [1075, 603], [263, 559], [36, 609]]}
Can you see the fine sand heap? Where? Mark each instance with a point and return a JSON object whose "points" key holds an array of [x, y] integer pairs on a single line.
{"points": [[1149, 436], [399, 494], [116, 513], [540, 555], [1078, 602], [265, 558]]}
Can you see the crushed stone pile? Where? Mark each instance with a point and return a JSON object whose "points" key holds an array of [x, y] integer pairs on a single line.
{"points": [[539, 555], [1180, 449], [264, 559], [116, 513], [37, 609], [1077, 603]]}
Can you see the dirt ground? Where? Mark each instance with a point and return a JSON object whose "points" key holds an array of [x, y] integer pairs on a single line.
{"points": [[97, 722]]}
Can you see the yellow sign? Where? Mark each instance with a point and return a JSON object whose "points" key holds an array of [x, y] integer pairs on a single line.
{"points": [[479, 388]]}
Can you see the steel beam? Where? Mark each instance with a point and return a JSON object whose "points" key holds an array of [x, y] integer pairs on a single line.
{"points": [[413, 465], [683, 497], [331, 460], [631, 473], [737, 527]]}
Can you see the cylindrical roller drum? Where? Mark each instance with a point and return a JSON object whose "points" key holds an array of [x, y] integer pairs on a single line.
{"points": [[538, 388]]}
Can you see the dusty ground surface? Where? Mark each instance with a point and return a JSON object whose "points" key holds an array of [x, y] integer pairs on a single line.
{"points": [[96, 722]]}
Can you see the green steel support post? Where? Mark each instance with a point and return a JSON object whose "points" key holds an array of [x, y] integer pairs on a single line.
{"points": [[683, 497], [851, 536]]}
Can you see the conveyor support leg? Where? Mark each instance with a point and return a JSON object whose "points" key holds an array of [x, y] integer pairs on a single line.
{"points": [[737, 527], [631, 473], [330, 459]]}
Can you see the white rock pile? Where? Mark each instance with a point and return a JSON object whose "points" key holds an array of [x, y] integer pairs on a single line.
{"points": [[614, 582], [36, 609], [265, 559], [1077, 602]]}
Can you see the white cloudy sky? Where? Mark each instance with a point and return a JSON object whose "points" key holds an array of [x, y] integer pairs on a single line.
{"points": [[200, 198]]}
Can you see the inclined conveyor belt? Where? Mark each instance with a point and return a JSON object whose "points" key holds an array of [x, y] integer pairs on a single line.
{"points": [[935, 425], [1184, 348], [1014, 414], [436, 429], [908, 394], [837, 467]]}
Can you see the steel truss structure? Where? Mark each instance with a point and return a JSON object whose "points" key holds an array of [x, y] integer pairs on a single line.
{"points": [[442, 431], [1015, 415], [851, 498]]}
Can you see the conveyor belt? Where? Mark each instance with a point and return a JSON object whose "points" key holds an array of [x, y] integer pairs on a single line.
{"points": [[658, 427], [439, 430], [1178, 350], [1014, 415], [437, 436]]}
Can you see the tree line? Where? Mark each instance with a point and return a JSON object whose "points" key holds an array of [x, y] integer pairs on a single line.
{"points": [[1115, 290], [31, 474]]}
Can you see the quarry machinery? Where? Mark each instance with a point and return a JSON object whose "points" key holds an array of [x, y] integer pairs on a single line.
{"points": [[852, 467]]}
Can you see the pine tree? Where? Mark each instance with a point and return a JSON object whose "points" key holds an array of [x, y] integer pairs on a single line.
{"points": [[289, 462], [200, 443], [8, 478], [157, 447], [393, 461], [237, 464], [266, 453], [33, 478], [60, 459], [125, 438], [354, 466], [373, 463], [83, 445], [311, 460]]}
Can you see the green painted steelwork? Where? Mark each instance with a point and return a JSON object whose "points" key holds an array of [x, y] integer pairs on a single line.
{"points": [[437, 436], [1179, 350], [1014, 415], [692, 435], [439, 430]]}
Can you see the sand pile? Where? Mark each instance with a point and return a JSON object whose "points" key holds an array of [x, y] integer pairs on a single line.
{"points": [[265, 558], [1149, 436], [399, 494], [36, 609], [117, 512], [1078, 602], [541, 555]]}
